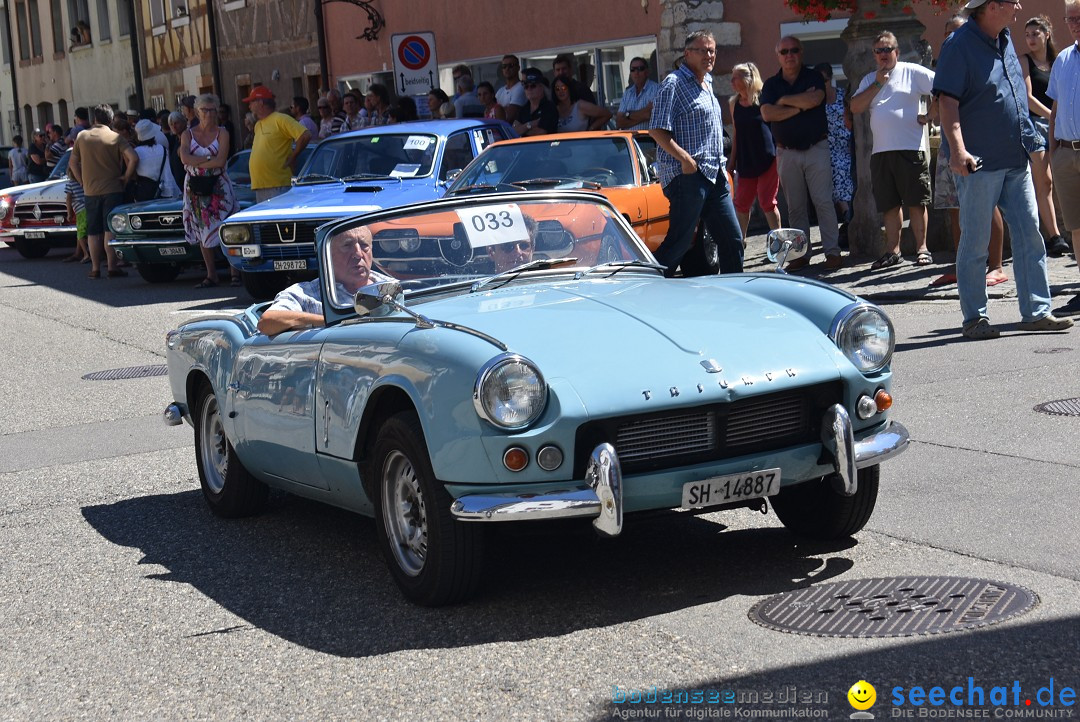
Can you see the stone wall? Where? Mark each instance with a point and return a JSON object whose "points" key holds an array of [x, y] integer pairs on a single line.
{"points": [[682, 17]]}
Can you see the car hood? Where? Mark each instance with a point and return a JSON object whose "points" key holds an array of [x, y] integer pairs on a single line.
{"points": [[161, 205], [53, 190], [327, 200], [590, 331]]}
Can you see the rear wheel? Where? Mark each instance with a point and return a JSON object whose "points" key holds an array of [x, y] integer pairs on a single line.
{"points": [[230, 489], [703, 258], [158, 272], [816, 509], [31, 249], [264, 285], [434, 558]]}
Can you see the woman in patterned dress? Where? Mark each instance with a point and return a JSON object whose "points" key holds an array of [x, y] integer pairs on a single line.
{"points": [[839, 144], [204, 149]]}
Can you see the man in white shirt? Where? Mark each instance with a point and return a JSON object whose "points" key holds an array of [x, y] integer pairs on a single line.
{"points": [[512, 95], [900, 160], [1065, 129], [635, 110]]}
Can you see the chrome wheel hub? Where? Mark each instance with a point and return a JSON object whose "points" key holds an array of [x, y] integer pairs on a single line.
{"points": [[404, 513], [213, 445]]}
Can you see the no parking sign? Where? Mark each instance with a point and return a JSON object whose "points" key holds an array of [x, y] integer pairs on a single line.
{"points": [[415, 65]]}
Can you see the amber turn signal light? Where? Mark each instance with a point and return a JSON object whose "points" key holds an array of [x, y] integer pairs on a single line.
{"points": [[883, 400], [515, 458]]}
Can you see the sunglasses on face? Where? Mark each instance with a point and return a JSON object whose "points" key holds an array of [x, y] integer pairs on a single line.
{"points": [[884, 51], [638, 69], [530, 85], [790, 51]]}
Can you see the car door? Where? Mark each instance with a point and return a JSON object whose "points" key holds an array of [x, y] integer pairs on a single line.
{"points": [[273, 397], [655, 200]]}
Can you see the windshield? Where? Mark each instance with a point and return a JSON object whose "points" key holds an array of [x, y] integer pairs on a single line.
{"points": [[431, 251], [393, 155], [60, 170], [607, 161]]}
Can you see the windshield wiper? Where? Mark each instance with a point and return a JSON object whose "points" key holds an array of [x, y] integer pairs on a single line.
{"points": [[487, 187], [316, 178], [369, 176], [592, 185], [616, 266], [506, 277]]}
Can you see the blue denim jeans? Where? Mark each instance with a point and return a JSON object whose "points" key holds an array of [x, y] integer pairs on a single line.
{"points": [[693, 198], [1012, 191]]}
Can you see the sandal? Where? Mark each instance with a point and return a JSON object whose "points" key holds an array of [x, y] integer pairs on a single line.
{"points": [[980, 330], [923, 258], [94, 274], [944, 280], [235, 281], [886, 261], [206, 283]]}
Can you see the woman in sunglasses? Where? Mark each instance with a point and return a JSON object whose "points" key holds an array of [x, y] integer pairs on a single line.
{"points": [[539, 115], [576, 114]]}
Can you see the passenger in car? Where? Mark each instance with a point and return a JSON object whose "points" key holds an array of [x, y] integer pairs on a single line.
{"points": [[515, 253]]}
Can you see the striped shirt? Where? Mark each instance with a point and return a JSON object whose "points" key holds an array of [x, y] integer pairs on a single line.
{"points": [[691, 113], [78, 198]]}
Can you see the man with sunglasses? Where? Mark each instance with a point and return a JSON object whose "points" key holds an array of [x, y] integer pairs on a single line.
{"points": [[538, 115], [900, 159], [515, 253], [793, 103], [635, 110], [512, 95], [984, 117]]}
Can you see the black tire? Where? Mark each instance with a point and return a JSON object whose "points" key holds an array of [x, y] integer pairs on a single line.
{"points": [[609, 250], [815, 509], [158, 272], [703, 258], [31, 249], [265, 285], [434, 558], [230, 490]]}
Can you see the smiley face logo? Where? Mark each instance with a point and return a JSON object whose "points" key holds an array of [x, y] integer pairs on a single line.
{"points": [[862, 695]]}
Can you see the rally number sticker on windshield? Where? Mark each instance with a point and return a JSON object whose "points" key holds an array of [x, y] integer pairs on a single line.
{"points": [[405, 170], [417, 142], [491, 225]]}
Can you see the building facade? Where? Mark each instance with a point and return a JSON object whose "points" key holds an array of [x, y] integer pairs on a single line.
{"points": [[103, 69], [39, 40], [175, 49]]}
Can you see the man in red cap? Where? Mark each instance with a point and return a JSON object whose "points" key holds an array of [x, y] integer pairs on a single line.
{"points": [[279, 139]]}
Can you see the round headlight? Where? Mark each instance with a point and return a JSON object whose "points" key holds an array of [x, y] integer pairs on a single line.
{"points": [[136, 223], [389, 245], [118, 222], [865, 335], [5, 205], [410, 244], [510, 392], [236, 234]]}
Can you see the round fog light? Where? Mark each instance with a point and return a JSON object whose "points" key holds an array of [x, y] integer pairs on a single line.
{"points": [[120, 255], [549, 458], [865, 407], [515, 458], [136, 222], [883, 400]]}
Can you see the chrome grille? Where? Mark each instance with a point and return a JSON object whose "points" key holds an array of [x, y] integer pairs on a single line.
{"points": [[291, 250], [299, 232], [756, 421], [668, 436], [161, 221], [48, 211]]}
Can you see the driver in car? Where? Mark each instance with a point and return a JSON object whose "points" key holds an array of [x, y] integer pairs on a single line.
{"points": [[301, 305], [515, 253]]}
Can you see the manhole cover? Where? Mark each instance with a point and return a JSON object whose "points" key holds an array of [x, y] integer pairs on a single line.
{"points": [[131, 372], [893, 607], [1062, 407], [1058, 349]]}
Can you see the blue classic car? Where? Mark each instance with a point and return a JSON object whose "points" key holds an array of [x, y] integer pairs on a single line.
{"points": [[351, 173], [525, 374]]}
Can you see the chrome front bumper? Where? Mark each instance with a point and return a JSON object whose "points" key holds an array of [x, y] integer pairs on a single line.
{"points": [[601, 497]]}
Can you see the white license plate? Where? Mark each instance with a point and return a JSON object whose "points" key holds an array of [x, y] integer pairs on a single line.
{"points": [[290, 265], [34, 234], [173, 251], [734, 487]]}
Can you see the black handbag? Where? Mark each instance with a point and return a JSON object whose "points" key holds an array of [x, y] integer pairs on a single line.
{"points": [[143, 188], [202, 185]]}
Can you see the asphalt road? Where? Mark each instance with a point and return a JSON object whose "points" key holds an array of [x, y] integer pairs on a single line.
{"points": [[122, 597]]}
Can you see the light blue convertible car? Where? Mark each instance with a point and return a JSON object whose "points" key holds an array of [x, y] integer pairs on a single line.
{"points": [[502, 375]]}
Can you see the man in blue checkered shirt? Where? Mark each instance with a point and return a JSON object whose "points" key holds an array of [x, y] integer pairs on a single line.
{"points": [[688, 129]]}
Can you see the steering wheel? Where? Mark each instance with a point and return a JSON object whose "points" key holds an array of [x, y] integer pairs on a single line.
{"points": [[604, 176]]}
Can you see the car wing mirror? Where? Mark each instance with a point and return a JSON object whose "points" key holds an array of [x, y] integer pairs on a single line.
{"points": [[375, 296], [786, 244], [451, 176], [654, 172]]}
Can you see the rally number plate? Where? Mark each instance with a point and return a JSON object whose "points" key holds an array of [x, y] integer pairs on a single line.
{"points": [[290, 265], [734, 487]]}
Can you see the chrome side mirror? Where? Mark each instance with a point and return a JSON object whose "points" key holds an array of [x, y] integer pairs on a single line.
{"points": [[452, 175], [654, 172], [376, 296], [786, 244]]}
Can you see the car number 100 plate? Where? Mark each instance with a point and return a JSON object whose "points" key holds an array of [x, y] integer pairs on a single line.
{"points": [[290, 265], [734, 487]]}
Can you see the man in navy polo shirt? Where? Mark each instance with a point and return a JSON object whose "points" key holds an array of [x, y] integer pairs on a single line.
{"points": [[793, 103], [984, 117], [688, 129]]}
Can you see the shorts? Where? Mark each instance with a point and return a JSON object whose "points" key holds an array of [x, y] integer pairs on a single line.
{"points": [[1042, 130], [900, 178], [1065, 165], [764, 187], [944, 185], [80, 223], [98, 209]]}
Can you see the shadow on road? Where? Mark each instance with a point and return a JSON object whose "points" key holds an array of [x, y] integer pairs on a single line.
{"points": [[313, 575]]}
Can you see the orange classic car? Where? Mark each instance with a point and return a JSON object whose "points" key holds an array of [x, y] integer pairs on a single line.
{"points": [[618, 164]]}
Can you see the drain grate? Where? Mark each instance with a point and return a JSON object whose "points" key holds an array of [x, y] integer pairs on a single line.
{"points": [[893, 607], [131, 372], [1061, 407]]}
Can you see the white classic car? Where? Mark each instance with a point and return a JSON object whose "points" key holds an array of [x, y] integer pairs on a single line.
{"points": [[33, 217]]}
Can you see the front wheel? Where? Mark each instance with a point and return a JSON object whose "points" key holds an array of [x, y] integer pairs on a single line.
{"points": [[815, 509], [703, 258], [434, 558], [158, 272], [31, 249], [230, 489]]}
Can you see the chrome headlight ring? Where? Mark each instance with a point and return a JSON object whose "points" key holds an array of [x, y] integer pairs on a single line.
{"points": [[118, 222], [865, 335], [510, 392], [235, 234]]}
